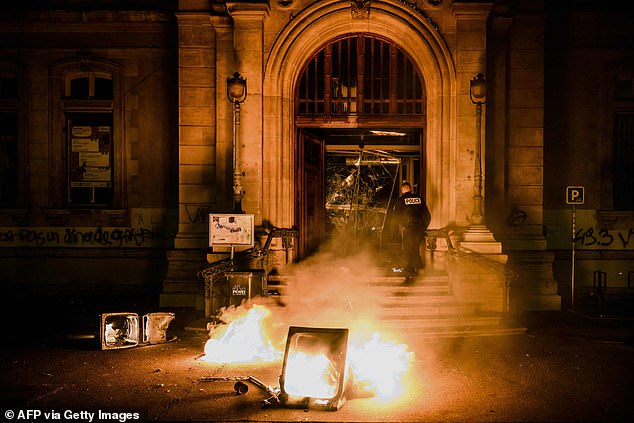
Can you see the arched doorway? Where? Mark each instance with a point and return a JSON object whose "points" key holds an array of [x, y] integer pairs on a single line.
{"points": [[359, 111], [298, 42]]}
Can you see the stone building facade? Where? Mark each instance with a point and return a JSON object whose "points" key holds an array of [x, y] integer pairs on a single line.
{"points": [[118, 134]]}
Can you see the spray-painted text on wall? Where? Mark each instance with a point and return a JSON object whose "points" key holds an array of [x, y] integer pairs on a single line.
{"points": [[601, 238], [150, 228], [104, 237]]}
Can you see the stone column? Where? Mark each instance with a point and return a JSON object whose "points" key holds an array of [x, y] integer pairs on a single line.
{"points": [[497, 72], [479, 278], [196, 156], [225, 67], [535, 287], [248, 43], [471, 35], [196, 135]]}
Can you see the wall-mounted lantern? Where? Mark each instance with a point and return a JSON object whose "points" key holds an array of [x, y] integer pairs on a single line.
{"points": [[478, 95], [237, 94]]}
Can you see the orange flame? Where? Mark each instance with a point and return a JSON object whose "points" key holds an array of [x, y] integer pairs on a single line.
{"points": [[310, 376], [243, 340], [375, 367]]}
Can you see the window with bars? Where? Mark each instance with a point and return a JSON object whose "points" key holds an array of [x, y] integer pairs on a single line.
{"points": [[360, 75]]}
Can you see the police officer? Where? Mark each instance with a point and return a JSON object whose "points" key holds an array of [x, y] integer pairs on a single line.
{"points": [[414, 218]]}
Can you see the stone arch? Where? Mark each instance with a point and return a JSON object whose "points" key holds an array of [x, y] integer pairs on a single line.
{"points": [[303, 36]]}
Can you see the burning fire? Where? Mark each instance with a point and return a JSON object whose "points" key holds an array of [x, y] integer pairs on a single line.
{"points": [[310, 376], [243, 340], [378, 366], [374, 367]]}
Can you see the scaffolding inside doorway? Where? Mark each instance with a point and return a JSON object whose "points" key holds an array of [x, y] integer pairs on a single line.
{"points": [[360, 188]]}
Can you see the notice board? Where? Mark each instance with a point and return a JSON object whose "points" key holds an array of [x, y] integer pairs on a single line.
{"points": [[228, 230]]}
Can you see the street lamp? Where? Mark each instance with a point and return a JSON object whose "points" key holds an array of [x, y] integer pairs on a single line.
{"points": [[237, 93], [478, 95]]}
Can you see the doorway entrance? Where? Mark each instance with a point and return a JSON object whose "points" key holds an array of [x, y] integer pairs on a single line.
{"points": [[360, 117], [348, 182]]}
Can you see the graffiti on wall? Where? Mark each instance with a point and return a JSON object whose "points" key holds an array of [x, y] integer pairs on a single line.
{"points": [[71, 237], [591, 237], [197, 214], [149, 228], [589, 232]]}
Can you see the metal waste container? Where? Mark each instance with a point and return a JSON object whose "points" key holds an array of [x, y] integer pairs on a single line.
{"points": [[231, 288], [245, 285]]}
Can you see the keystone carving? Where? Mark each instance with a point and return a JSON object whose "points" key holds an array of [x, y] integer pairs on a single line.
{"points": [[360, 9]]}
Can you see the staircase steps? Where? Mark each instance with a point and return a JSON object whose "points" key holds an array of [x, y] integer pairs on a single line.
{"points": [[424, 307], [428, 325]]}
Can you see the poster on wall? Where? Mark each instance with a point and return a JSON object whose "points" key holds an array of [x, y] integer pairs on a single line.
{"points": [[90, 156], [227, 230]]}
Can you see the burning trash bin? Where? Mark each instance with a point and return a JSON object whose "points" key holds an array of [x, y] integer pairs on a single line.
{"points": [[322, 367], [314, 369]]}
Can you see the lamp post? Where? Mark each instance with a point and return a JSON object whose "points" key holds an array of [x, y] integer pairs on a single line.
{"points": [[237, 93], [478, 95]]}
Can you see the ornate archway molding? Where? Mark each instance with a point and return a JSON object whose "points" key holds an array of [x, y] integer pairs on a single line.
{"points": [[305, 34]]}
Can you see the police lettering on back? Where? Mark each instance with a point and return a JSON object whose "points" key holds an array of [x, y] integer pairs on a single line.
{"points": [[412, 210], [413, 217]]}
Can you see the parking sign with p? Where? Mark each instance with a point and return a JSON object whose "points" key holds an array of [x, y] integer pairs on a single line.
{"points": [[574, 195]]}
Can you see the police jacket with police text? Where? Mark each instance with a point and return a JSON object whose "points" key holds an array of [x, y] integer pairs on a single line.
{"points": [[412, 211]]}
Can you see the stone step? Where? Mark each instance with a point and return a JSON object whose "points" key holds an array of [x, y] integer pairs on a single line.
{"points": [[395, 279], [444, 319], [461, 332], [430, 307], [420, 296], [455, 321], [395, 311], [423, 307], [403, 290], [381, 285], [455, 325]]}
